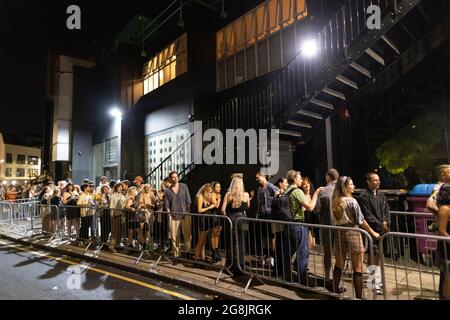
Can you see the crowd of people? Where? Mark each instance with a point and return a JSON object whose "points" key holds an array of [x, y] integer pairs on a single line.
{"points": [[129, 215]]}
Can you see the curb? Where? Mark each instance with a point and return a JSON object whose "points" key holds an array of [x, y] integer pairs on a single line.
{"points": [[177, 280]]}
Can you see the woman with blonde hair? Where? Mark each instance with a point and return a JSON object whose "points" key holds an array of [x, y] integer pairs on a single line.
{"points": [[235, 204], [204, 204], [347, 213], [147, 201]]}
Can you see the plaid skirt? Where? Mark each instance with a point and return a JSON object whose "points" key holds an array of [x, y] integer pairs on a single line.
{"points": [[349, 241]]}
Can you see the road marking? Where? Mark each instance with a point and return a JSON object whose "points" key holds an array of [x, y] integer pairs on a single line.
{"points": [[110, 274]]}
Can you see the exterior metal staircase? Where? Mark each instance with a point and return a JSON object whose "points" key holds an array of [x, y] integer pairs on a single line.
{"points": [[308, 90]]}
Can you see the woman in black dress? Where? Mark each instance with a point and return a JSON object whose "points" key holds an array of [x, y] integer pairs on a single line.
{"points": [[235, 204]]}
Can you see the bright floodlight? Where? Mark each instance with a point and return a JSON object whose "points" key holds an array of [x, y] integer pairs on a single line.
{"points": [[14, 183], [310, 48], [116, 113]]}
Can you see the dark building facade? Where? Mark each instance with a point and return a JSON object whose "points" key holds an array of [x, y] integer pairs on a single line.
{"points": [[245, 66]]}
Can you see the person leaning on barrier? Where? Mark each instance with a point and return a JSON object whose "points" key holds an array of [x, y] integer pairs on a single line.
{"points": [[347, 213], [376, 211], [177, 200], [323, 210], [298, 203], [234, 205], [116, 204], [443, 202]]}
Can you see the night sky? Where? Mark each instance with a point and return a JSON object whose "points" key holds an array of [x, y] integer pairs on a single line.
{"points": [[29, 28]]}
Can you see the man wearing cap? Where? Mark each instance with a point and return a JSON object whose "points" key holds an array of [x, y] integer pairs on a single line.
{"points": [[103, 182]]}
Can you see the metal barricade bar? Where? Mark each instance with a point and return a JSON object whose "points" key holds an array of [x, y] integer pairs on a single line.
{"points": [[280, 253], [413, 280], [199, 232]]}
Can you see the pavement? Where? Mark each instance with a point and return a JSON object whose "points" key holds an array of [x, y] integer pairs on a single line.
{"points": [[183, 275]]}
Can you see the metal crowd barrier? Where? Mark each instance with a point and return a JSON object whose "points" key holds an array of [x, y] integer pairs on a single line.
{"points": [[5, 213], [196, 231], [20, 216], [273, 255], [406, 279], [414, 223]]}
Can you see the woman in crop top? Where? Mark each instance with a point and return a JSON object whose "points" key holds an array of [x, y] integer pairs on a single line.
{"points": [[347, 213], [235, 203], [443, 202]]}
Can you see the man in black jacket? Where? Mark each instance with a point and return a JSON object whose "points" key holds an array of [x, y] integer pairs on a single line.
{"points": [[376, 211]]}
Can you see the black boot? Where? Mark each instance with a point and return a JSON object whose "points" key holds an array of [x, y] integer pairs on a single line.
{"points": [[358, 283], [217, 256]]}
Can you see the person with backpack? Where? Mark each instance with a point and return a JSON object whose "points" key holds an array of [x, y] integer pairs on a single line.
{"points": [[298, 203]]}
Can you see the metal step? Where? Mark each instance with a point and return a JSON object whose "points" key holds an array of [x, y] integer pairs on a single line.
{"points": [[375, 56], [390, 43], [323, 104], [335, 93], [291, 133], [347, 81], [361, 69], [299, 124], [310, 114]]}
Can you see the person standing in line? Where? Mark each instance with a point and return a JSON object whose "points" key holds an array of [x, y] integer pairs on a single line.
{"points": [[347, 213], [87, 212], [105, 218], [376, 211], [298, 204], [116, 205], [235, 203], [216, 222], [70, 198], [443, 202], [323, 209], [265, 195], [442, 174], [177, 201], [162, 233], [103, 182], [204, 204]]}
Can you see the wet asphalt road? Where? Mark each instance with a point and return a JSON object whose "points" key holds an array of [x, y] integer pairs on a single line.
{"points": [[29, 274]]}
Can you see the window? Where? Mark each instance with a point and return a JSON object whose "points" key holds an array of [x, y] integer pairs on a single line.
{"points": [[20, 159], [33, 173], [9, 158], [8, 172], [248, 38], [111, 152], [166, 65], [20, 173], [33, 161]]}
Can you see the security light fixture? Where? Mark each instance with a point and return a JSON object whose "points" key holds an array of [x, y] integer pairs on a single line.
{"points": [[309, 48]]}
